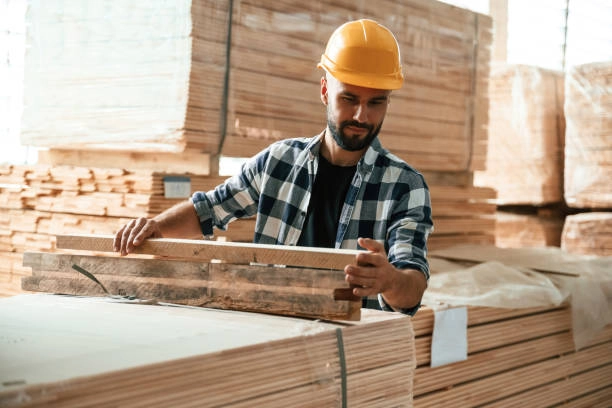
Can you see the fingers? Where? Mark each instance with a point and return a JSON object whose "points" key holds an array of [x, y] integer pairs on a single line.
{"points": [[371, 245], [371, 272], [364, 280], [133, 234], [117, 240]]}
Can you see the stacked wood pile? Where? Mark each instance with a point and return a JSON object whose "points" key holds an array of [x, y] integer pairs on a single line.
{"points": [[163, 83], [309, 283], [528, 227], [94, 81], [524, 159], [535, 366], [37, 202], [544, 353], [588, 233], [437, 121], [588, 161], [588, 158], [525, 154], [218, 358], [462, 213]]}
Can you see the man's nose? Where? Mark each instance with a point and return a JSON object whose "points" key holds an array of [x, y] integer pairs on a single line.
{"points": [[361, 113]]}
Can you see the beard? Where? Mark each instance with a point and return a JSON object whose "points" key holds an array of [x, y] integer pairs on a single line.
{"points": [[354, 143]]}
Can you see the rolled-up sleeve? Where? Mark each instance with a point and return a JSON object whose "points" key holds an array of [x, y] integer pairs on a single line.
{"points": [[236, 198]]}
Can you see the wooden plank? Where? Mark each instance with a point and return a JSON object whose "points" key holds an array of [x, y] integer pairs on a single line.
{"points": [[423, 321], [542, 259], [438, 241], [231, 252], [483, 364], [514, 381], [596, 399], [562, 390], [184, 162], [287, 291]]}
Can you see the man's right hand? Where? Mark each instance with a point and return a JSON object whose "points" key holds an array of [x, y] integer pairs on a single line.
{"points": [[134, 233]]}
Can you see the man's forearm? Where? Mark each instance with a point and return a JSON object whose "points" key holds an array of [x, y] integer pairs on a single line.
{"points": [[408, 289], [179, 221]]}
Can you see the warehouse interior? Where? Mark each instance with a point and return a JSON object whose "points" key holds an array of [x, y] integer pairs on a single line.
{"points": [[111, 111]]}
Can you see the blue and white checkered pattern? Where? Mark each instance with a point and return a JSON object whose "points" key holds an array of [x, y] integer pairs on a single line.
{"points": [[388, 201]]}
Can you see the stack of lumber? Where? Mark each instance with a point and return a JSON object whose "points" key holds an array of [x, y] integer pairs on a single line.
{"points": [[39, 201], [588, 233], [145, 76], [525, 152], [90, 191], [107, 353], [532, 352], [169, 81], [180, 163], [297, 281], [537, 229], [437, 121], [516, 358], [461, 212], [588, 150]]}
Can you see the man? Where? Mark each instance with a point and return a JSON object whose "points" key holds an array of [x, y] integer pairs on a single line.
{"points": [[339, 189]]}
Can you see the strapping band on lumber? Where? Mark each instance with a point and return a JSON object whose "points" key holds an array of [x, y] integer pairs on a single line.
{"points": [[230, 252], [307, 292]]}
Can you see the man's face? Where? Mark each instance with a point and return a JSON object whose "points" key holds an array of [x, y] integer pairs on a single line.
{"points": [[354, 114]]}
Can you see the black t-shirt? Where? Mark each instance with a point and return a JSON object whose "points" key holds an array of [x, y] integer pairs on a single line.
{"points": [[327, 198]]}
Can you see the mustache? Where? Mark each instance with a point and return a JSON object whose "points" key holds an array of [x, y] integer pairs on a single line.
{"points": [[356, 124]]}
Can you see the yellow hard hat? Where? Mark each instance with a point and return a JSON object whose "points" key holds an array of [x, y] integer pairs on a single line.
{"points": [[364, 53]]}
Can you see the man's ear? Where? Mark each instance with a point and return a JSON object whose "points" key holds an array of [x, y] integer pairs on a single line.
{"points": [[324, 97]]}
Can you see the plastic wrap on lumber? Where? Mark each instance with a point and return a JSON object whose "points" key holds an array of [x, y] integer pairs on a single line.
{"points": [[525, 151], [588, 138]]}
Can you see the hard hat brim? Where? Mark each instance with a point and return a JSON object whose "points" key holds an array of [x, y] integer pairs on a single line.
{"points": [[374, 81]]}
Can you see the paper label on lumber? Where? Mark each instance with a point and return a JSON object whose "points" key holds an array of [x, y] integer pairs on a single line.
{"points": [[449, 339], [177, 187]]}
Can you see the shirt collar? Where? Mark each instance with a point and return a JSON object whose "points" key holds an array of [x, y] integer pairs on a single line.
{"points": [[365, 164]]}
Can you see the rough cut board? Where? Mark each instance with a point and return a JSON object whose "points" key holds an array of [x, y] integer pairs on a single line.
{"points": [[313, 293], [525, 150], [101, 352], [231, 252]]}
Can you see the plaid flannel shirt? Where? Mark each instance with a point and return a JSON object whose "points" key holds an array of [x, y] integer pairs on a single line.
{"points": [[388, 201]]}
